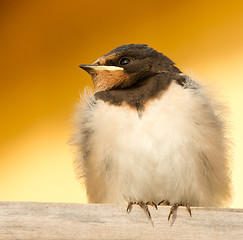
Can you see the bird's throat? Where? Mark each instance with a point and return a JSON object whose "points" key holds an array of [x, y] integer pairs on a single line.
{"points": [[139, 93]]}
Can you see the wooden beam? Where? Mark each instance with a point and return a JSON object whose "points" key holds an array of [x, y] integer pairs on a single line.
{"points": [[28, 220]]}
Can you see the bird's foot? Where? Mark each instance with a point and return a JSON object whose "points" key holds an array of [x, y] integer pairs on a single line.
{"points": [[144, 206], [176, 205]]}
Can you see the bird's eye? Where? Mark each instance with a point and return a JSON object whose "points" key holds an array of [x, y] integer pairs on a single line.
{"points": [[124, 61]]}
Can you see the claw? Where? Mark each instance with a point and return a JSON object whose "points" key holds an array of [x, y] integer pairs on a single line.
{"points": [[152, 204], [172, 209], [164, 202], [144, 207], [129, 207], [176, 205], [188, 209]]}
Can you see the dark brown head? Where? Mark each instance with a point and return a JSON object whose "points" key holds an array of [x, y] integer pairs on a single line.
{"points": [[127, 65]]}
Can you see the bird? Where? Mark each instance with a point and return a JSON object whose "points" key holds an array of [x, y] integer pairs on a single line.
{"points": [[149, 134]]}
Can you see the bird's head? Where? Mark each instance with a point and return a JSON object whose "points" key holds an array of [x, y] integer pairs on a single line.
{"points": [[127, 65]]}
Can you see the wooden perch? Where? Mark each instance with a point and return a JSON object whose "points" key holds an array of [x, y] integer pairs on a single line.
{"points": [[27, 220]]}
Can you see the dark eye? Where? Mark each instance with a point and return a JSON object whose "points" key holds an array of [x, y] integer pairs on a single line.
{"points": [[124, 61]]}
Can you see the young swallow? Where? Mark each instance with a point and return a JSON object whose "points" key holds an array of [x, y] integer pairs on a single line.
{"points": [[150, 134]]}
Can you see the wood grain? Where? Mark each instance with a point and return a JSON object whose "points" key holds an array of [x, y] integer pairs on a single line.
{"points": [[28, 220]]}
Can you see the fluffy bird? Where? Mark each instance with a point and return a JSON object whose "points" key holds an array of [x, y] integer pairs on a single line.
{"points": [[149, 134]]}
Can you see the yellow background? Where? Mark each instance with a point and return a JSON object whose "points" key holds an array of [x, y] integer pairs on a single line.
{"points": [[43, 42]]}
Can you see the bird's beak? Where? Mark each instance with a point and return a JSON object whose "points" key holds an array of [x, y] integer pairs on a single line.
{"points": [[96, 68], [105, 77]]}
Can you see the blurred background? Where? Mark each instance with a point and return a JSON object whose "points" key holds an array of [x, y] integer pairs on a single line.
{"points": [[43, 42]]}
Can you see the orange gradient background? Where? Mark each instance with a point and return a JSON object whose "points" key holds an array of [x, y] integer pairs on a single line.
{"points": [[43, 42]]}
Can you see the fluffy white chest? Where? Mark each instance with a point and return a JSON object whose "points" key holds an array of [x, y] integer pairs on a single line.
{"points": [[153, 157]]}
